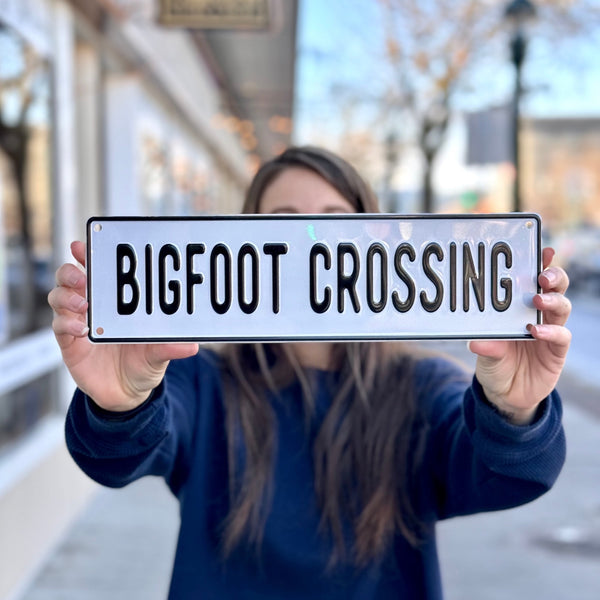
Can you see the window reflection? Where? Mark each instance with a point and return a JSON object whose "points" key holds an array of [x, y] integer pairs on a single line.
{"points": [[26, 270], [25, 222]]}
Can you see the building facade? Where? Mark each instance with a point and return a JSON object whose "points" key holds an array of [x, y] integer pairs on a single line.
{"points": [[103, 112], [561, 170]]}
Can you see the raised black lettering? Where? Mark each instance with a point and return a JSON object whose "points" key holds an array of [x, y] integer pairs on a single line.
{"points": [[168, 251], [191, 277], [406, 305], [377, 249], [323, 305], [453, 277], [220, 307], [127, 278], [275, 251], [347, 281], [471, 276], [149, 280], [432, 305], [248, 306], [505, 282]]}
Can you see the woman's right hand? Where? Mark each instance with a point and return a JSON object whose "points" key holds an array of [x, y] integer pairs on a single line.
{"points": [[118, 377]]}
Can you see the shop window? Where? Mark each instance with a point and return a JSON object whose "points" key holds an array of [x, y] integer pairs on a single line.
{"points": [[26, 269]]}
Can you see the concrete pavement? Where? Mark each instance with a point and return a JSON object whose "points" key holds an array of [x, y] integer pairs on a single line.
{"points": [[122, 546]]}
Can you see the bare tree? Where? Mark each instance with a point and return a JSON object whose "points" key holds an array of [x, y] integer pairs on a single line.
{"points": [[431, 48]]}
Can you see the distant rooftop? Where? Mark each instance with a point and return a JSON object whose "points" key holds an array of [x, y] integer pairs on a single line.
{"points": [[566, 125]]}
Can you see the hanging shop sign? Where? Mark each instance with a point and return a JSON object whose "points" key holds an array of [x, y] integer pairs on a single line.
{"points": [[215, 14]]}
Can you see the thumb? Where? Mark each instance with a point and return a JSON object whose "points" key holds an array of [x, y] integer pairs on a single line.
{"points": [[162, 353], [487, 348]]}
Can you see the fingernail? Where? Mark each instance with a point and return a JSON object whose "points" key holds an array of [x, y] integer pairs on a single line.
{"points": [[74, 281], [78, 302], [84, 331]]}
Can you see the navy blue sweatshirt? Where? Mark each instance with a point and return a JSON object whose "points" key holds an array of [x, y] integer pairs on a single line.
{"points": [[474, 461]]}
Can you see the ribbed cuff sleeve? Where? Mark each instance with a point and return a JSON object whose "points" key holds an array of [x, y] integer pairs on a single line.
{"points": [[516, 450], [96, 432]]}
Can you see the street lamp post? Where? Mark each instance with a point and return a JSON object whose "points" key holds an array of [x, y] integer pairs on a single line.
{"points": [[517, 13], [391, 160]]}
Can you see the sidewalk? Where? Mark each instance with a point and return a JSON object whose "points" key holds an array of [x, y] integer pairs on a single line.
{"points": [[122, 546]]}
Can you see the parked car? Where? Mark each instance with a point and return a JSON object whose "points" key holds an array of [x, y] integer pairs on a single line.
{"points": [[579, 252]]}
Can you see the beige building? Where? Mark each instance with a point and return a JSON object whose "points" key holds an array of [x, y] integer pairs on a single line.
{"points": [[561, 170]]}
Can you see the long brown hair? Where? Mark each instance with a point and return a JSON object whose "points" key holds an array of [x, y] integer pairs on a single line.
{"points": [[366, 449]]}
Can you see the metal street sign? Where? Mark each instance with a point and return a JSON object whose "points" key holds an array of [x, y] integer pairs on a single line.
{"points": [[312, 277]]}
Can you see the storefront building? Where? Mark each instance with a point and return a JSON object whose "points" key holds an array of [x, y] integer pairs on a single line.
{"points": [[102, 112]]}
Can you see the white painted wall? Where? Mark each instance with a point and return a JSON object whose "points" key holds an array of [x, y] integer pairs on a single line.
{"points": [[121, 148], [89, 134]]}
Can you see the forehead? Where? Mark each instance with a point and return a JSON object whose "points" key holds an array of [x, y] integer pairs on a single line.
{"points": [[303, 191]]}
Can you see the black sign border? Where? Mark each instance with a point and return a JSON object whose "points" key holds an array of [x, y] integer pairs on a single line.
{"points": [[312, 217]]}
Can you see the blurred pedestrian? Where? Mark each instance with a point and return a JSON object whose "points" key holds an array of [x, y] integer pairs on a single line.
{"points": [[316, 470]]}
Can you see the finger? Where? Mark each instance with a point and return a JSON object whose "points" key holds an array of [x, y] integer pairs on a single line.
{"points": [[65, 299], [547, 256], [488, 348], [554, 279], [558, 336], [78, 250], [70, 276], [65, 326], [555, 307]]}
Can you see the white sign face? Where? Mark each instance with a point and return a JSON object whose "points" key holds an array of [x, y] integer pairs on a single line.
{"points": [[312, 277]]}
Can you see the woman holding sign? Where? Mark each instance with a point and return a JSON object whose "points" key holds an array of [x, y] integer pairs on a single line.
{"points": [[316, 470]]}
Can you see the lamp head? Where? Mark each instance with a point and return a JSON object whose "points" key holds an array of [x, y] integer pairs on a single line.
{"points": [[518, 12]]}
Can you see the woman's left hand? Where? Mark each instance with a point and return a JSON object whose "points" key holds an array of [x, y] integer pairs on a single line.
{"points": [[517, 375]]}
